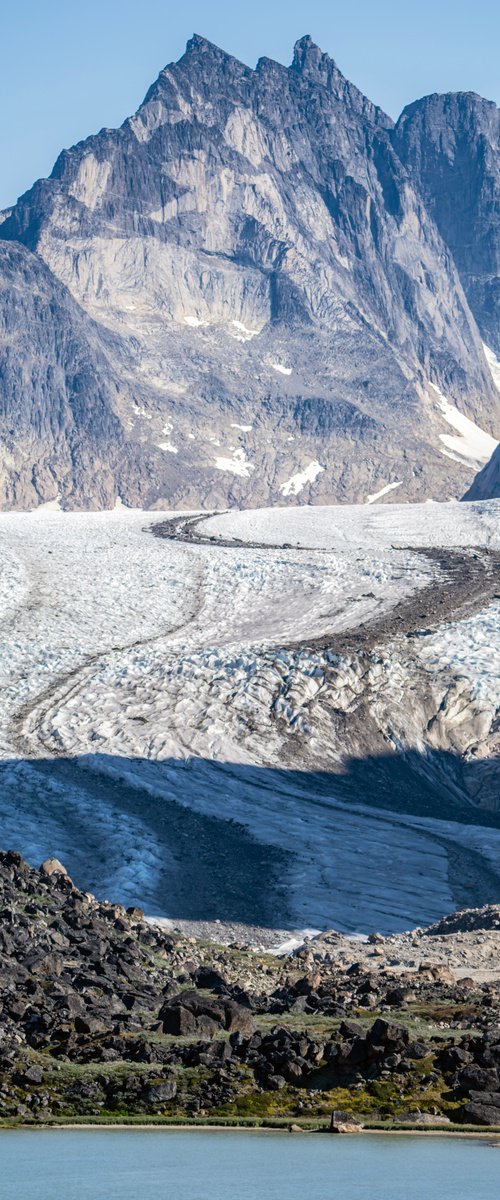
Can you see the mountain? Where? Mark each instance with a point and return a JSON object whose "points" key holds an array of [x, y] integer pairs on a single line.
{"points": [[451, 144], [242, 296]]}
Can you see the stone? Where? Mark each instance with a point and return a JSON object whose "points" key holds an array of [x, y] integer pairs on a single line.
{"points": [[476, 1113], [135, 914], [275, 1083], [476, 1078], [52, 866], [344, 1122], [160, 1093]]}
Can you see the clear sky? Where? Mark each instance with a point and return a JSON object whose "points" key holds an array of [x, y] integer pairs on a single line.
{"points": [[70, 67]]}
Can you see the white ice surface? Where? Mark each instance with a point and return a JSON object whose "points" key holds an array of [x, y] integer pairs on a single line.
{"points": [[131, 658], [350, 526]]}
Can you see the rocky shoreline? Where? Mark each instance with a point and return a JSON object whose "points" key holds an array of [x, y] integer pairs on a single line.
{"points": [[107, 1016]]}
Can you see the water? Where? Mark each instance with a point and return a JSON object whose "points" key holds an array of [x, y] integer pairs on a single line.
{"points": [[163, 1164]]}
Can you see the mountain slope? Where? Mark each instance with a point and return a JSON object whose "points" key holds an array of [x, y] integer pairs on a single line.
{"points": [[486, 485], [268, 295]]}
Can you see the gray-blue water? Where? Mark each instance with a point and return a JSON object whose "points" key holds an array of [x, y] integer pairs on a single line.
{"points": [[194, 1165]]}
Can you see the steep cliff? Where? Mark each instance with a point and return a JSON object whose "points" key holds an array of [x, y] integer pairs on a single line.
{"points": [[451, 146]]}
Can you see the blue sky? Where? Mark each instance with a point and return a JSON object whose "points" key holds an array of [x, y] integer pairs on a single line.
{"points": [[68, 68]]}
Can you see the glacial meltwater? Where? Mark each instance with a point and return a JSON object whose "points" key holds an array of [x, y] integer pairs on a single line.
{"points": [[99, 1164]]}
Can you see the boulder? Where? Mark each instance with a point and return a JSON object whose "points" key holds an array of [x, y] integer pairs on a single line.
{"points": [[52, 866], [189, 1013], [477, 1079], [135, 914], [452, 1058], [476, 1113], [209, 978], [393, 1037], [344, 1122], [160, 1093]]}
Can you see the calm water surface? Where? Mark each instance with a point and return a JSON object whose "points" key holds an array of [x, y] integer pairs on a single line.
{"points": [[194, 1165]]}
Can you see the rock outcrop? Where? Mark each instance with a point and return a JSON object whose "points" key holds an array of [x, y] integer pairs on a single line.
{"points": [[164, 1025]]}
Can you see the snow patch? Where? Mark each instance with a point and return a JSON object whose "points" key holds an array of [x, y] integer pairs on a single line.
{"points": [[293, 486], [193, 322], [389, 487], [168, 446], [494, 365], [244, 428], [279, 367], [241, 333], [473, 447], [237, 465]]}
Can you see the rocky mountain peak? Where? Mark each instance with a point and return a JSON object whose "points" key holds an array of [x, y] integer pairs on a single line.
{"points": [[200, 50], [258, 259], [314, 65], [307, 55], [198, 44]]}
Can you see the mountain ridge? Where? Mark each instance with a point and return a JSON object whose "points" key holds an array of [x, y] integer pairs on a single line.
{"points": [[254, 256]]}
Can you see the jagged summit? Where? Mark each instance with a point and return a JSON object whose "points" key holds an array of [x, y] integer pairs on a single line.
{"points": [[197, 43], [201, 47], [306, 53]]}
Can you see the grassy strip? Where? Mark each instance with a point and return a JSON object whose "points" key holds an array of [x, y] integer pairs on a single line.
{"points": [[200, 1122], [282, 1123]]}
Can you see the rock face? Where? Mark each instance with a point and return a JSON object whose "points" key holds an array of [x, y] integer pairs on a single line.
{"points": [[246, 297], [450, 144], [486, 485]]}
